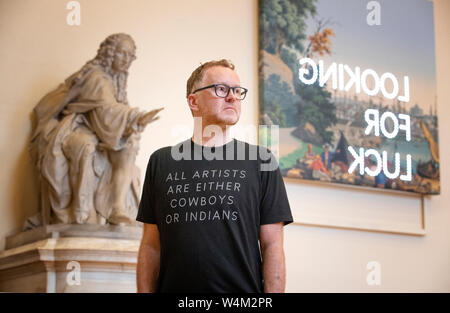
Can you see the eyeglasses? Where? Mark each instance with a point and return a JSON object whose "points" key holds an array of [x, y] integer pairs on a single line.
{"points": [[222, 91]]}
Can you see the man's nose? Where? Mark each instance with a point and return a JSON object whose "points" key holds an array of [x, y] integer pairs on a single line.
{"points": [[127, 57], [231, 97]]}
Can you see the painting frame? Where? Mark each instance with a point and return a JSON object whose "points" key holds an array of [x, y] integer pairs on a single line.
{"points": [[280, 87]]}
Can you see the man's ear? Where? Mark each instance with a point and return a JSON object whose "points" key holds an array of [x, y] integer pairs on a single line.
{"points": [[192, 102]]}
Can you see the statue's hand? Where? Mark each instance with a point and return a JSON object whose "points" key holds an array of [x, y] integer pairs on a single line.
{"points": [[149, 117]]}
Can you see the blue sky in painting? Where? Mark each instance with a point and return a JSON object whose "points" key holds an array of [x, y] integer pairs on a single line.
{"points": [[403, 44]]}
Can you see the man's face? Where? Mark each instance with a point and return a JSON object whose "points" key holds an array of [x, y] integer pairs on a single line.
{"points": [[124, 55], [215, 110]]}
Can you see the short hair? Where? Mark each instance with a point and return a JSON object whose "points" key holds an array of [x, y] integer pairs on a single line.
{"points": [[198, 73]]}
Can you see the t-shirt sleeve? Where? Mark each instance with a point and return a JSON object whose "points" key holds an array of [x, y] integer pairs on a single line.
{"points": [[146, 211], [274, 205]]}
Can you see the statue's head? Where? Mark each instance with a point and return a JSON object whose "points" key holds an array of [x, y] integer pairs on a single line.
{"points": [[117, 52]]}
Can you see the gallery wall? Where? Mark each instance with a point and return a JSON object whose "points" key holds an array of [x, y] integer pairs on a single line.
{"points": [[39, 50]]}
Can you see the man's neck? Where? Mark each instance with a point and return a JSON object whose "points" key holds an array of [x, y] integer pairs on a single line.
{"points": [[215, 140]]}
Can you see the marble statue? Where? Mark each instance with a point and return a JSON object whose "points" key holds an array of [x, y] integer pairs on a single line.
{"points": [[85, 141]]}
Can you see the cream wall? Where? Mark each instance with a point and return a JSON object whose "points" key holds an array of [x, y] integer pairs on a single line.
{"points": [[39, 50]]}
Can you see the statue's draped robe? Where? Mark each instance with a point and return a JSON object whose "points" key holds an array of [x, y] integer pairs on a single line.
{"points": [[76, 125]]}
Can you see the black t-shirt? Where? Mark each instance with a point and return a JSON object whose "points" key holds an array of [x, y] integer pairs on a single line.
{"points": [[209, 204]]}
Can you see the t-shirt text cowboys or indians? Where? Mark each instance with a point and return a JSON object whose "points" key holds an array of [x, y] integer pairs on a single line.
{"points": [[209, 204]]}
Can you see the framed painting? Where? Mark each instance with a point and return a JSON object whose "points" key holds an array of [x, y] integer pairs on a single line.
{"points": [[350, 86]]}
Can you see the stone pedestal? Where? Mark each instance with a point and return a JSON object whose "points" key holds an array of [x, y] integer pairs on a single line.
{"points": [[71, 258]]}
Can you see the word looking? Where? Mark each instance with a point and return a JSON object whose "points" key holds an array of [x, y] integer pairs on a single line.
{"points": [[356, 78]]}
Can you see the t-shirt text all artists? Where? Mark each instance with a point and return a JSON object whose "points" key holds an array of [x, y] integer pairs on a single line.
{"points": [[205, 195]]}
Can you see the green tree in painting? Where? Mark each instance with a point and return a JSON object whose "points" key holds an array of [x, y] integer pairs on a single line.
{"points": [[283, 33], [315, 105], [280, 101], [284, 23], [275, 114], [317, 109]]}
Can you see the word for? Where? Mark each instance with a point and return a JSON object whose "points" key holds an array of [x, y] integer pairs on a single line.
{"points": [[209, 186], [377, 123], [200, 216], [356, 78], [202, 201]]}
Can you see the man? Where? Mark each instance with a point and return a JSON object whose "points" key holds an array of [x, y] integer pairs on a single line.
{"points": [[327, 157], [209, 213], [86, 140], [310, 155]]}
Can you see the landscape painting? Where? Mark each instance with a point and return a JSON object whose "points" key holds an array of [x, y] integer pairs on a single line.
{"points": [[351, 86]]}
